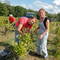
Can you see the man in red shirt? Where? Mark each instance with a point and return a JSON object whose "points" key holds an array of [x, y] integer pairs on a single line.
{"points": [[24, 22], [12, 19]]}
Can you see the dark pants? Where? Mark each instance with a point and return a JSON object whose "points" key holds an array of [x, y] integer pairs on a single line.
{"points": [[16, 36]]}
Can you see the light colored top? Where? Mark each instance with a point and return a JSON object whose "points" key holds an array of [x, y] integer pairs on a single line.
{"points": [[42, 28]]}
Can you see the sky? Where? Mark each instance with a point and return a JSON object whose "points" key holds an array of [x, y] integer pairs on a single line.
{"points": [[51, 6]]}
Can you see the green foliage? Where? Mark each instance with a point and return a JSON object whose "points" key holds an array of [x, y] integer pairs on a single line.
{"points": [[25, 44], [17, 11], [20, 11], [55, 30], [28, 40], [3, 10], [58, 16], [57, 43]]}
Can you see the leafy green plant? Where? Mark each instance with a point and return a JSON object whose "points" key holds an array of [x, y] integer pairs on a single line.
{"points": [[25, 44]]}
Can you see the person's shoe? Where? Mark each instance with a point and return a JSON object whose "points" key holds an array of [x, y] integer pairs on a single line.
{"points": [[46, 57], [38, 55]]}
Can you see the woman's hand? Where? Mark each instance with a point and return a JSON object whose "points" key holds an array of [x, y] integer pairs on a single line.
{"points": [[41, 36]]}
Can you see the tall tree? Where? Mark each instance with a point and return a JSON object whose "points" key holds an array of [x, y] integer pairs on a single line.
{"points": [[3, 10]]}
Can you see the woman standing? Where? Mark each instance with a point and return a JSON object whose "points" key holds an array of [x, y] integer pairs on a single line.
{"points": [[43, 34]]}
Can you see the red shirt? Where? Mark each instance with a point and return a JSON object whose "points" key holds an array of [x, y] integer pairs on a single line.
{"points": [[12, 19], [24, 21]]}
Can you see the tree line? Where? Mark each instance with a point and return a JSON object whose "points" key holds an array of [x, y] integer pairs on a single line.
{"points": [[19, 11]]}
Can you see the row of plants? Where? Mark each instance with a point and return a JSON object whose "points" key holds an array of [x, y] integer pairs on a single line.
{"points": [[28, 40]]}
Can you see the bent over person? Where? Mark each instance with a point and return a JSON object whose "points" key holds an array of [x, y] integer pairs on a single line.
{"points": [[24, 22]]}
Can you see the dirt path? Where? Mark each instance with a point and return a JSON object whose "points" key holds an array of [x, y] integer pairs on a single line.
{"points": [[29, 57]]}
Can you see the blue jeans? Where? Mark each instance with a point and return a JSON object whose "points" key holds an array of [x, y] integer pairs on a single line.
{"points": [[42, 46], [16, 36]]}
